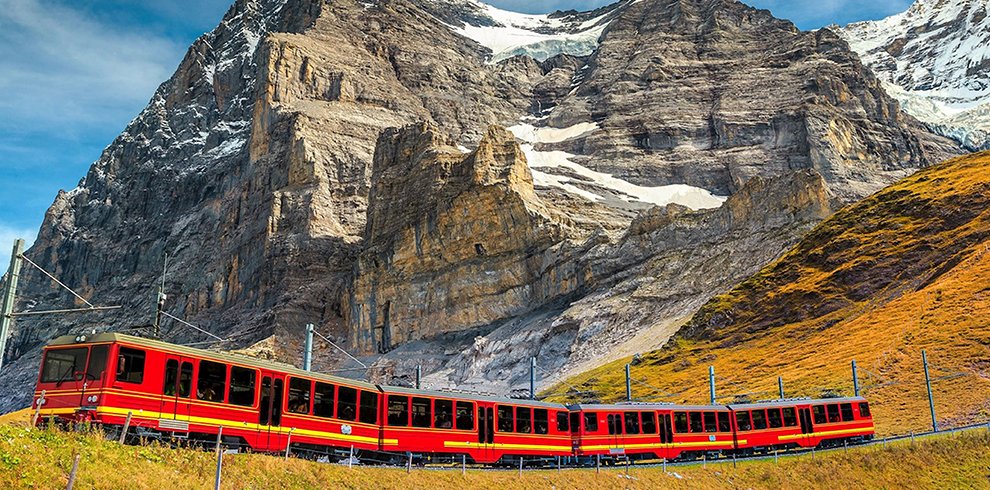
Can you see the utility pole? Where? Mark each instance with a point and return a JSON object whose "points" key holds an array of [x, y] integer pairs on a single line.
{"points": [[160, 303], [10, 295], [928, 384], [532, 378], [628, 385], [308, 349], [855, 379], [711, 384], [780, 386], [419, 376]]}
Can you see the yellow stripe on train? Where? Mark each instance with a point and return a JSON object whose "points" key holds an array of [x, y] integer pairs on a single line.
{"points": [[826, 433]]}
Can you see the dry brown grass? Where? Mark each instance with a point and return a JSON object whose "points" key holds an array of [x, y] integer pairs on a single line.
{"points": [[905, 270]]}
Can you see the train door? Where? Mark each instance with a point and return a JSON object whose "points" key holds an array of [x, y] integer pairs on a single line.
{"points": [[176, 390], [807, 428], [270, 409], [666, 433], [615, 439], [486, 431]]}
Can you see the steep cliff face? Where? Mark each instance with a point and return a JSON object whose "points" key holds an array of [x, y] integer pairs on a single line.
{"points": [[266, 170]]}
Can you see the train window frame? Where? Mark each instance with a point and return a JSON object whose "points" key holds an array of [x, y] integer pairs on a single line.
{"points": [[242, 391], [790, 416], [846, 412], [774, 419], [368, 408], [343, 405], [101, 365], [648, 422], [209, 376], [323, 403], [541, 421], [759, 419], [421, 412], [746, 424], [563, 421], [506, 418], [590, 421], [630, 423], [864, 409], [186, 377], [446, 407], [818, 413], [299, 396], [710, 421], [681, 424], [130, 365], [724, 422], [833, 413], [524, 425], [463, 415], [696, 422], [397, 414]]}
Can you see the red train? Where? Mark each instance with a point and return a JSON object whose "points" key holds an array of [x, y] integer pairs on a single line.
{"points": [[171, 391]]}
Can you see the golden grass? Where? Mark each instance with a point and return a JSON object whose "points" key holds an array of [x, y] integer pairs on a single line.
{"points": [[905, 270], [41, 459]]}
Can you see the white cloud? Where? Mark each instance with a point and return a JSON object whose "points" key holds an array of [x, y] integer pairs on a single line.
{"points": [[7, 236]]}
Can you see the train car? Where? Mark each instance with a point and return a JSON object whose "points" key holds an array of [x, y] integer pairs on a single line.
{"points": [[651, 431], [176, 391], [440, 425], [794, 423]]}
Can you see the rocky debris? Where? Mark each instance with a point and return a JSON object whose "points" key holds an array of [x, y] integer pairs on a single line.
{"points": [[934, 59]]}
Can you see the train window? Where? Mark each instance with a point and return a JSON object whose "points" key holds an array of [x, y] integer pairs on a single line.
{"points": [[833, 413], [346, 403], [759, 420], [524, 418], [421, 416], [864, 409], [171, 376], [323, 400], [505, 419], [590, 422], [444, 418], [299, 393], [613, 428], [369, 407], [61, 364], [130, 365], [742, 421], [819, 411], [696, 423], [562, 422], [575, 424], [211, 381], [185, 379], [541, 421], [241, 390], [846, 409], [398, 410], [632, 422], [97, 362], [773, 416], [680, 422], [790, 417], [465, 416], [724, 423], [649, 423], [711, 422]]}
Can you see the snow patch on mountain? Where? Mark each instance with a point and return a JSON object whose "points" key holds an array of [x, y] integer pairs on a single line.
{"points": [[556, 168], [935, 59]]}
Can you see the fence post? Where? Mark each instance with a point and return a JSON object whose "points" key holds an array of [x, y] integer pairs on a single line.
{"points": [[37, 410], [664, 465], [409, 462], [598, 463], [558, 464], [288, 443], [216, 481], [350, 459], [72, 473], [464, 464], [521, 460], [928, 384], [127, 425], [776, 459]]}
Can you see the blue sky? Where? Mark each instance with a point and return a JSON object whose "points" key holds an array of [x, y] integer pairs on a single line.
{"points": [[73, 73]]}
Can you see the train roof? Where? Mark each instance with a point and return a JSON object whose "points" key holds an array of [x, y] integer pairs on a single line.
{"points": [[791, 402], [645, 406], [228, 357], [467, 395]]}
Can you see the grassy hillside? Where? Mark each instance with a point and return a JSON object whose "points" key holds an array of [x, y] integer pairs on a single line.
{"points": [[42, 459], [904, 270]]}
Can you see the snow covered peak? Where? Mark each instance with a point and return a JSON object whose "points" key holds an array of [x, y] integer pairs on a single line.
{"points": [[539, 36], [935, 58]]}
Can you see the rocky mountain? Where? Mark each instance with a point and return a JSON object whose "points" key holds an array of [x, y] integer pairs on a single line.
{"points": [[345, 164], [934, 58], [903, 270]]}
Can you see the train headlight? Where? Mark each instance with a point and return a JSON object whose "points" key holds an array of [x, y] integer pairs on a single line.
{"points": [[93, 399], [80, 338]]}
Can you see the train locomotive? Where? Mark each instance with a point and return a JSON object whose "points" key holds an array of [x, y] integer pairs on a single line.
{"points": [[172, 392]]}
